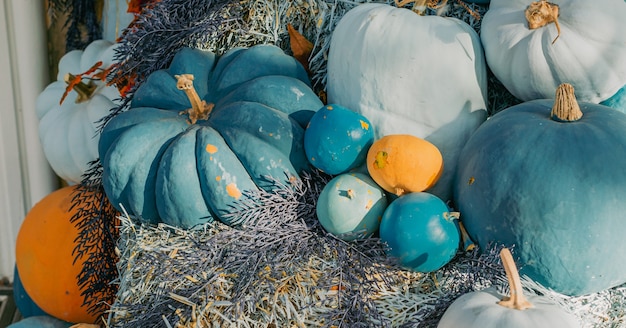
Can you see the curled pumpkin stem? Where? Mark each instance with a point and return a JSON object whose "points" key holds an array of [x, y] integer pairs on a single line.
{"points": [[517, 300], [542, 13], [199, 110], [565, 108]]}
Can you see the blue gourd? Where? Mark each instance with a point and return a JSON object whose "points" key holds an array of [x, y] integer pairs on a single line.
{"points": [[337, 139], [351, 206], [420, 232], [551, 188], [186, 170]]}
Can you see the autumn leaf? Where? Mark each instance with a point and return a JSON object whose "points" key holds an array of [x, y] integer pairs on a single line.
{"points": [[300, 46]]}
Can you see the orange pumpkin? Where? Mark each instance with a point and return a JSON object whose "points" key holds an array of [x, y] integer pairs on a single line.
{"points": [[402, 163], [44, 258]]}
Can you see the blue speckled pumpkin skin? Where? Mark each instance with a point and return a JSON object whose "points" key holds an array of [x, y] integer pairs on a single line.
{"points": [[553, 191], [337, 139], [420, 232], [351, 206], [161, 168]]}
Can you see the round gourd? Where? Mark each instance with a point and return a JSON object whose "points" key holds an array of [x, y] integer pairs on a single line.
{"points": [[409, 74], [553, 187], [350, 206], [420, 232], [46, 261], [337, 139], [487, 308], [402, 164], [68, 130], [204, 131], [532, 58]]}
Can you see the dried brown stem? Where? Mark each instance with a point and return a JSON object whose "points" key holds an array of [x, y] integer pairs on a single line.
{"points": [[199, 110], [542, 13], [565, 108]]}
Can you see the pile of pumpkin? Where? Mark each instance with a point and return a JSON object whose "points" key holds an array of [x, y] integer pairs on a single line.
{"points": [[406, 136]]}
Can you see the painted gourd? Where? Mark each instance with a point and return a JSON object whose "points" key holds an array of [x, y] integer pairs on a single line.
{"points": [[488, 308], [337, 139], [420, 232], [403, 164], [583, 49], [67, 130], [410, 74], [551, 186], [351, 206], [244, 119], [46, 261]]}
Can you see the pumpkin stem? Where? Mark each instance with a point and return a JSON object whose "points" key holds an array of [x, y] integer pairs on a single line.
{"points": [[199, 110], [84, 90], [517, 300], [542, 13], [565, 108]]}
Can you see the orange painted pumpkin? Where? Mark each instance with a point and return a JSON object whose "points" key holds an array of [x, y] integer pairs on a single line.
{"points": [[402, 163], [45, 243]]}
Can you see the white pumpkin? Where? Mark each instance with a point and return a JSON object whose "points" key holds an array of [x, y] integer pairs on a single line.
{"points": [[589, 53], [410, 74], [68, 130], [487, 308]]}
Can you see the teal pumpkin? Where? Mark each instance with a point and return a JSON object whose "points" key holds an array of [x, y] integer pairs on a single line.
{"points": [[337, 139], [552, 188], [617, 101], [164, 162], [420, 232], [351, 205]]}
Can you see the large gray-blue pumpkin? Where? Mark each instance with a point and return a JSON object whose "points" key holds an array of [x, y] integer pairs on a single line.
{"points": [[553, 187]]}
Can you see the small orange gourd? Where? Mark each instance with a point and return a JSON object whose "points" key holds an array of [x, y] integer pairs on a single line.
{"points": [[402, 163], [45, 259]]}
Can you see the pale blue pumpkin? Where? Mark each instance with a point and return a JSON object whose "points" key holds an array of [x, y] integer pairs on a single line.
{"points": [[160, 166], [351, 206]]}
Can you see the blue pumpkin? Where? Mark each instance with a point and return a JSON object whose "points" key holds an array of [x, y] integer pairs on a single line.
{"points": [[351, 205], [552, 188], [337, 139], [249, 110], [420, 232], [617, 101]]}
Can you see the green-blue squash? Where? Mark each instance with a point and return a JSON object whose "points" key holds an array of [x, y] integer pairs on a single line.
{"points": [[554, 189], [351, 206], [420, 232], [161, 166], [337, 139]]}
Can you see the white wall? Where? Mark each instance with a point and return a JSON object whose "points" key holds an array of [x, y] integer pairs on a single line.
{"points": [[25, 176]]}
